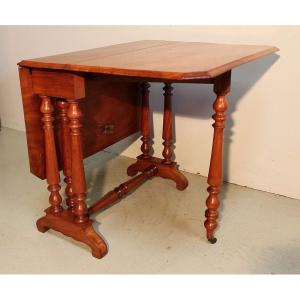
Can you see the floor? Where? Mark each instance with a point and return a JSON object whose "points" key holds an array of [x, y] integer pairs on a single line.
{"points": [[156, 230]]}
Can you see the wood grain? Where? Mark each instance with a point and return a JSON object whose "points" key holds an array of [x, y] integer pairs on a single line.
{"points": [[77, 168], [156, 59], [34, 130], [123, 189], [167, 125], [82, 232], [58, 84], [221, 88], [65, 150], [106, 103], [167, 171], [52, 173], [145, 121]]}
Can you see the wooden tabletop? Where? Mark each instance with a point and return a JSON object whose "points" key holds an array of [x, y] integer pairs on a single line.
{"points": [[156, 59]]}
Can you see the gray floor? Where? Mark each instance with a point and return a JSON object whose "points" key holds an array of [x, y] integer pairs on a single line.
{"points": [[157, 229]]}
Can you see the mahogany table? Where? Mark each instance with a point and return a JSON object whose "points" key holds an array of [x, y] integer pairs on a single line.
{"points": [[79, 103]]}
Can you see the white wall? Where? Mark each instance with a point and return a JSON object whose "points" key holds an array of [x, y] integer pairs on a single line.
{"points": [[262, 142]]}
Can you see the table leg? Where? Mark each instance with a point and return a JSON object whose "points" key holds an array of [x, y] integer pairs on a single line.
{"points": [[145, 129], [65, 143], [145, 121], [78, 176], [221, 88], [167, 125], [167, 168], [52, 173]]}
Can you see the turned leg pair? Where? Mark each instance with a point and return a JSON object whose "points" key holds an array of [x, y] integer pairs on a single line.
{"points": [[71, 148], [74, 221], [167, 124]]}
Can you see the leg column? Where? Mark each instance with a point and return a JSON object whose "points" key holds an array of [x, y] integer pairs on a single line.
{"points": [[65, 142], [145, 121], [52, 173], [221, 88], [167, 125], [77, 169]]}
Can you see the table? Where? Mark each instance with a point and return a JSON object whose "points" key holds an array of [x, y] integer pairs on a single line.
{"points": [[79, 103]]}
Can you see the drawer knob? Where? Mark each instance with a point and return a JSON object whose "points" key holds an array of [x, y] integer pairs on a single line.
{"points": [[107, 128]]}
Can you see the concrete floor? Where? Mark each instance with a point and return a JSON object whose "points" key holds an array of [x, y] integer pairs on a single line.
{"points": [[155, 230]]}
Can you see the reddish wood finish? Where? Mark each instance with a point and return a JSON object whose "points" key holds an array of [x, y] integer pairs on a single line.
{"points": [[58, 84], [120, 109], [145, 121], [51, 159], [103, 84], [34, 130], [78, 177], [167, 168], [65, 144], [123, 189], [221, 88], [156, 59], [167, 125], [108, 104], [167, 171], [82, 232]]}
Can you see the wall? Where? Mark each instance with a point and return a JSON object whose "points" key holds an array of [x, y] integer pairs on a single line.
{"points": [[262, 142]]}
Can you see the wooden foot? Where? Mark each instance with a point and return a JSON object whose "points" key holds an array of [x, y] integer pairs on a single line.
{"points": [[168, 171], [82, 232]]}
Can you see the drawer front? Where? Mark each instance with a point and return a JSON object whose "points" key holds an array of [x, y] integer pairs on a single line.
{"points": [[111, 112]]}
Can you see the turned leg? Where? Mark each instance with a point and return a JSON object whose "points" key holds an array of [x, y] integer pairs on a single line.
{"points": [[145, 121], [65, 142], [52, 173], [77, 168], [145, 129], [167, 125], [221, 88]]}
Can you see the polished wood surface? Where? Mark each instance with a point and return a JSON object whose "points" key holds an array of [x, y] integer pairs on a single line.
{"points": [[82, 232], [120, 111], [34, 130], [123, 189], [52, 173], [79, 103], [221, 88], [155, 59], [167, 125], [166, 167], [65, 150], [58, 84], [167, 171], [77, 168], [145, 121]]}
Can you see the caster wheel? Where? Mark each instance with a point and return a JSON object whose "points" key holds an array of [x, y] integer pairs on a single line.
{"points": [[212, 240]]}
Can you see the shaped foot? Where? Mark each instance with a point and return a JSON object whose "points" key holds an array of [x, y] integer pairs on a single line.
{"points": [[168, 171], [84, 232]]}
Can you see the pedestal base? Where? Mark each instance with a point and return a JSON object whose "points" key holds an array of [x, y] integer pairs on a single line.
{"points": [[64, 223], [168, 171]]}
